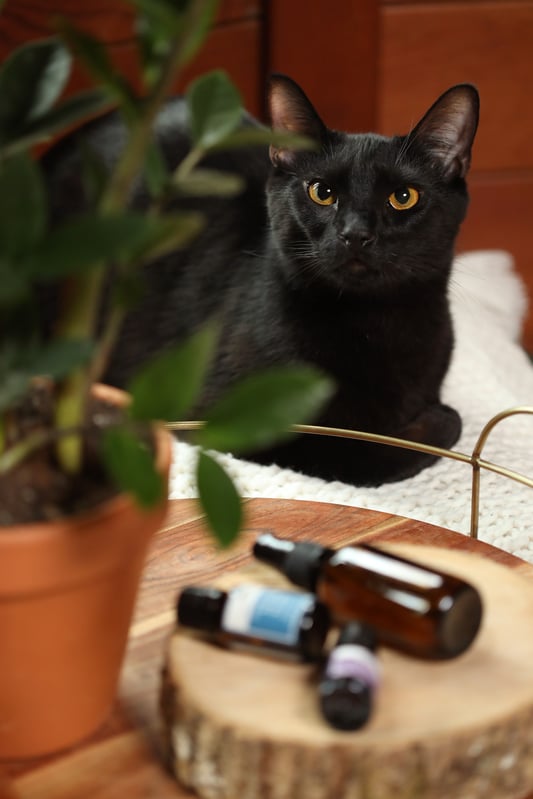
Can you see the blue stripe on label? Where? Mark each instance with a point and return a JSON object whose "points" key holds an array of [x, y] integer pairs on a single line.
{"points": [[277, 615]]}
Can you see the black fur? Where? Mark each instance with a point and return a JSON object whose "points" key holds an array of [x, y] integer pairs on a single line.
{"points": [[356, 287]]}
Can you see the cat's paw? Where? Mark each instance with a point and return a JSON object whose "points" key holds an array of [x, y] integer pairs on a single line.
{"points": [[438, 425]]}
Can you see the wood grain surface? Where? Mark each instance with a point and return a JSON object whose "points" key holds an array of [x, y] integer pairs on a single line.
{"points": [[126, 757]]}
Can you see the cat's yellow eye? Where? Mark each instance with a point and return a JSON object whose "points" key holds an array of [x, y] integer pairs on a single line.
{"points": [[320, 193], [404, 198]]}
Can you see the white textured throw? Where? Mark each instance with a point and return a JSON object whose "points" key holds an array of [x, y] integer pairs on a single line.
{"points": [[489, 373]]}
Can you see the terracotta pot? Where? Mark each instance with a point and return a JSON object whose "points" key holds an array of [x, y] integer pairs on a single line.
{"points": [[67, 592]]}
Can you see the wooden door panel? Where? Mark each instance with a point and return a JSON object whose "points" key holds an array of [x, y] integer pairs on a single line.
{"points": [[427, 48], [331, 51]]}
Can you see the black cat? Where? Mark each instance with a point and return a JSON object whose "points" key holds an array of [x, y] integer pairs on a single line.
{"points": [[338, 257]]}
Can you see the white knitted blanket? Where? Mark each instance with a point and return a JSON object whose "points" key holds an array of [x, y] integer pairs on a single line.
{"points": [[489, 373]]}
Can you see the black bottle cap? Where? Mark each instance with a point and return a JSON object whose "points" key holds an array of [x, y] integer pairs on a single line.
{"points": [[302, 565], [345, 703], [272, 550], [300, 561], [357, 632], [200, 608]]}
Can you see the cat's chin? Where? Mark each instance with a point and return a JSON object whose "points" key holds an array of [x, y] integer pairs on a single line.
{"points": [[357, 267], [360, 273], [357, 277]]}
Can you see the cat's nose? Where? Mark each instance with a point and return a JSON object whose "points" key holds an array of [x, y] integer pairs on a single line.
{"points": [[356, 233]]}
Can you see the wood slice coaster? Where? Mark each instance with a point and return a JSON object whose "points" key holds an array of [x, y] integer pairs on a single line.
{"points": [[239, 726]]}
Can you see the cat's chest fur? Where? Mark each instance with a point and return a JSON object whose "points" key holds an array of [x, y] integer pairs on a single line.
{"points": [[387, 357]]}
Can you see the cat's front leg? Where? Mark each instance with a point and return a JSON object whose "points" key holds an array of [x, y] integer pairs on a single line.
{"points": [[365, 463], [437, 425]]}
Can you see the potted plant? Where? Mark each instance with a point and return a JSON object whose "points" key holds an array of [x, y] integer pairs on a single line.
{"points": [[72, 539]]}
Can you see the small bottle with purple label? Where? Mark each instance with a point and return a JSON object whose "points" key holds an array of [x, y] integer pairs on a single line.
{"points": [[350, 678], [267, 620]]}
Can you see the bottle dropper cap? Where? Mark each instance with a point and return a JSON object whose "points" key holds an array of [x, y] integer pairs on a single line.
{"points": [[200, 608], [299, 561], [357, 632]]}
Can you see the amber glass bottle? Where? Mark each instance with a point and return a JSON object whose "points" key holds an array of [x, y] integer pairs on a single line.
{"points": [[290, 624], [413, 608]]}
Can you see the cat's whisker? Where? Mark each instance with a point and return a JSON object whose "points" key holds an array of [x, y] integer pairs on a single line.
{"points": [[458, 290], [306, 260]]}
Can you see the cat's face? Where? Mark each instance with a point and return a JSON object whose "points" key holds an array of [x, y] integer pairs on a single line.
{"points": [[367, 213]]}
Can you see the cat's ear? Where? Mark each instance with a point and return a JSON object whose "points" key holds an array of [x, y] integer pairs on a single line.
{"points": [[291, 112], [449, 127]]}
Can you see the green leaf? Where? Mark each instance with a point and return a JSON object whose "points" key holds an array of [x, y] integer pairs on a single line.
{"points": [[128, 237], [58, 358], [22, 205], [210, 183], [94, 55], [257, 136], [168, 387], [259, 410], [199, 18], [55, 359], [57, 119], [131, 464], [155, 169], [161, 235], [168, 29], [162, 14], [87, 241], [158, 25], [31, 80], [219, 500], [94, 173], [15, 287], [13, 386], [215, 108], [128, 288]]}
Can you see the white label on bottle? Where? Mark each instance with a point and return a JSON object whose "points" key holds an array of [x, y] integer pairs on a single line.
{"points": [[387, 566], [265, 613]]}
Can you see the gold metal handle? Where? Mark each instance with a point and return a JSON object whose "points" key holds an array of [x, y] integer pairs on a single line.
{"points": [[475, 460]]}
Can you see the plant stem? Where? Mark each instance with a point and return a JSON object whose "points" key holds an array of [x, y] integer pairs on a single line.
{"points": [[16, 454], [87, 290], [191, 160]]}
